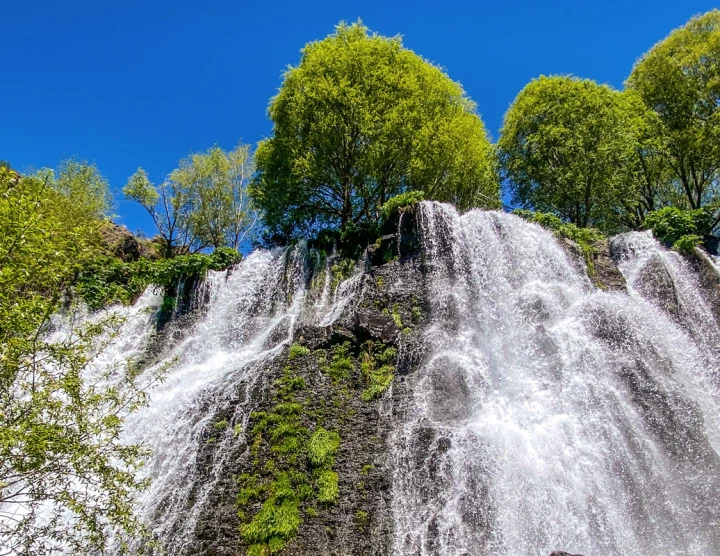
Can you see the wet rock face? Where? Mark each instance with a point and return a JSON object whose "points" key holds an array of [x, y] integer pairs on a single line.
{"points": [[388, 311], [709, 281], [656, 283], [601, 269], [607, 273]]}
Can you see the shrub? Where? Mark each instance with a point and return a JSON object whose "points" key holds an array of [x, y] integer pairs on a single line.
{"points": [[401, 203], [296, 350], [687, 243], [670, 224]]}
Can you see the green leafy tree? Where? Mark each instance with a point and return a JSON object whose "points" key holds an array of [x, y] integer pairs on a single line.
{"points": [[362, 119], [222, 213], [679, 81], [170, 205], [64, 475], [564, 147], [203, 203]]}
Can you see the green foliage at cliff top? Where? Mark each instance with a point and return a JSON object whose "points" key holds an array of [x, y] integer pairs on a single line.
{"points": [[362, 119]]}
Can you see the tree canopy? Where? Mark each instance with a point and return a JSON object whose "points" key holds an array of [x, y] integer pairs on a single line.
{"points": [[362, 119], [679, 81], [203, 203], [60, 454], [562, 147]]}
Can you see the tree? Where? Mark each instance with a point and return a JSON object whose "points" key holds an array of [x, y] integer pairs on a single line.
{"points": [[222, 213], [563, 149], [648, 177], [170, 206], [64, 475], [202, 204], [679, 80], [362, 119]]}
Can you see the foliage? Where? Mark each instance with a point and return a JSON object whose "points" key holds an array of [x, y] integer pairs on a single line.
{"points": [[341, 365], [341, 270], [563, 146], [671, 225], [401, 203], [361, 519], [296, 350], [62, 415], [648, 176], [687, 243], [222, 213], [362, 119], [378, 369], [106, 280], [202, 204], [87, 192], [322, 448], [678, 81], [327, 483], [298, 468]]}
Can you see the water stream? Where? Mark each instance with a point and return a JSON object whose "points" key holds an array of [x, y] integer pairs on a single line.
{"points": [[550, 415]]}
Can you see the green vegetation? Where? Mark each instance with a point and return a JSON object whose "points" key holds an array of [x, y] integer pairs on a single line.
{"points": [[202, 204], [221, 425], [340, 271], [401, 203], [358, 121], [341, 365], [378, 369], [562, 148], [680, 229], [361, 519], [296, 350], [61, 417], [608, 159], [677, 81], [297, 468], [397, 319], [106, 280]]}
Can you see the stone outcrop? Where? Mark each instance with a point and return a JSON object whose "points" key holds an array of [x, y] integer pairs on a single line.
{"points": [[121, 243]]}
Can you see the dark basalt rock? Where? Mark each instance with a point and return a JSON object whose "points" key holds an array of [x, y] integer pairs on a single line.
{"points": [[709, 281], [561, 553], [374, 325], [608, 276]]}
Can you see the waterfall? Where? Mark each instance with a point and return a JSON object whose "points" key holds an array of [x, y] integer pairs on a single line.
{"points": [[530, 411], [550, 415]]}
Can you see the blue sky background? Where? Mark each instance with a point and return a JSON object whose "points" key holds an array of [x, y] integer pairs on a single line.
{"points": [[144, 83]]}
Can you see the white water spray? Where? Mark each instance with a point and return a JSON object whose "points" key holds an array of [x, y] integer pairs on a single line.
{"points": [[549, 415]]}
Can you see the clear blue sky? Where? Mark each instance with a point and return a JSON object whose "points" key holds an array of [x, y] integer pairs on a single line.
{"points": [[144, 83]]}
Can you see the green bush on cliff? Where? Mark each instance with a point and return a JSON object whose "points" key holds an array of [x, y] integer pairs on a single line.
{"points": [[107, 280], [680, 229], [401, 203]]}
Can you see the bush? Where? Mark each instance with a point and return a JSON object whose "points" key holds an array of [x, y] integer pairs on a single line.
{"points": [[687, 243], [401, 203], [108, 280], [670, 225]]}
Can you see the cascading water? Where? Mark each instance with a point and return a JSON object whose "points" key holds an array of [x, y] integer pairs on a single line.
{"points": [[249, 316], [549, 415], [247, 319], [532, 412]]}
